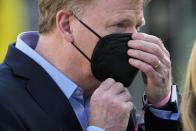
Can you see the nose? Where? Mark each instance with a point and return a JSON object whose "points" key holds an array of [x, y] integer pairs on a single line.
{"points": [[132, 30]]}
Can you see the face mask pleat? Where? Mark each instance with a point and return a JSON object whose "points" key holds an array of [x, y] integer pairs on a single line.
{"points": [[110, 59]]}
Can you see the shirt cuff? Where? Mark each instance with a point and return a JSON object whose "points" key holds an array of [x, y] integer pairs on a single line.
{"points": [[94, 128], [171, 113], [162, 102], [168, 115]]}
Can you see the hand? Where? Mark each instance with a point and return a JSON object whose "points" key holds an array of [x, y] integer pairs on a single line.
{"points": [[148, 54], [110, 106]]}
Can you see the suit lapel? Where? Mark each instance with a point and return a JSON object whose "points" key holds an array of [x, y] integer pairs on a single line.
{"points": [[43, 89]]}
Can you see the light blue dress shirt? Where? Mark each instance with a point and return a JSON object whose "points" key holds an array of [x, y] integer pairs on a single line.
{"points": [[26, 42]]}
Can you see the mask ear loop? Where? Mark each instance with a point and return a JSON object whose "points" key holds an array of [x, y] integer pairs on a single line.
{"points": [[87, 27], [81, 52]]}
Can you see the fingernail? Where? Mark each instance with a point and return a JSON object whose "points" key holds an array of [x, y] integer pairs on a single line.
{"points": [[130, 60], [129, 43], [137, 36], [128, 52], [134, 36]]}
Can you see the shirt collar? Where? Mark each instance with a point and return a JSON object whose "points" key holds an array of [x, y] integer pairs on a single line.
{"points": [[26, 42]]}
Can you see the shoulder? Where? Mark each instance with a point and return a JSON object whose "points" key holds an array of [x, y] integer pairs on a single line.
{"points": [[11, 86], [7, 77]]}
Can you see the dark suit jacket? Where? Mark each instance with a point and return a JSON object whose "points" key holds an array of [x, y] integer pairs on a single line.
{"points": [[31, 101]]}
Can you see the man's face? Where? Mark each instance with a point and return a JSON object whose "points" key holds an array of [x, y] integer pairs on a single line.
{"points": [[106, 17]]}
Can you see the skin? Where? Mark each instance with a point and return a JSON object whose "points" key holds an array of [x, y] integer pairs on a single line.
{"points": [[106, 17], [148, 50]]}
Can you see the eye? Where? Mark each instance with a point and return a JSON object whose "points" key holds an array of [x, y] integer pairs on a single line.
{"points": [[121, 25]]}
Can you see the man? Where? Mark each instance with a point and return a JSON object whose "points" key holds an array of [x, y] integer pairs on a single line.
{"points": [[60, 78]]}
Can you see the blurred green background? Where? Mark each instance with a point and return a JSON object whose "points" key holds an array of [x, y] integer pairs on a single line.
{"points": [[174, 21]]}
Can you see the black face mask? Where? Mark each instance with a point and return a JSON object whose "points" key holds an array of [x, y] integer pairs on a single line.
{"points": [[110, 58]]}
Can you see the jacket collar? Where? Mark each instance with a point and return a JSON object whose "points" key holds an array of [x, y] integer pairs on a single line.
{"points": [[42, 88]]}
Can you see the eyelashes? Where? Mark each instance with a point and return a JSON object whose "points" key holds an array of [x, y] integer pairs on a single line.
{"points": [[121, 25]]}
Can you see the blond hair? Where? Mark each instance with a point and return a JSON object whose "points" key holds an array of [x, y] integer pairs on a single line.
{"points": [[49, 9], [188, 107]]}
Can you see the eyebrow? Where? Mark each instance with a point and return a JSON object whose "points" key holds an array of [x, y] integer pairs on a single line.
{"points": [[141, 21]]}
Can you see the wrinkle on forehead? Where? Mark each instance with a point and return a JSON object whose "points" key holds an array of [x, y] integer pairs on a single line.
{"points": [[129, 8], [115, 5], [109, 8]]}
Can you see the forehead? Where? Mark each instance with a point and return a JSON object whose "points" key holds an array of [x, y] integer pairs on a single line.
{"points": [[108, 9], [118, 5]]}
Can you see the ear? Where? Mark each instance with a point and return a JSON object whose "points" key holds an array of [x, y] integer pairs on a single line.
{"points": [[63, 24]]}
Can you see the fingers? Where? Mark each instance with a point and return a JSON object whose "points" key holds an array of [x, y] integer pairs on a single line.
{"points": [[107, 84], [120, 92], [150, 39], [146, 47], [112, 104], [129, 107], [144, 67], [144, 56], [117, 88], [146, 37], [114, 89], [149, 49], [148, 54], [125, 96]]}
